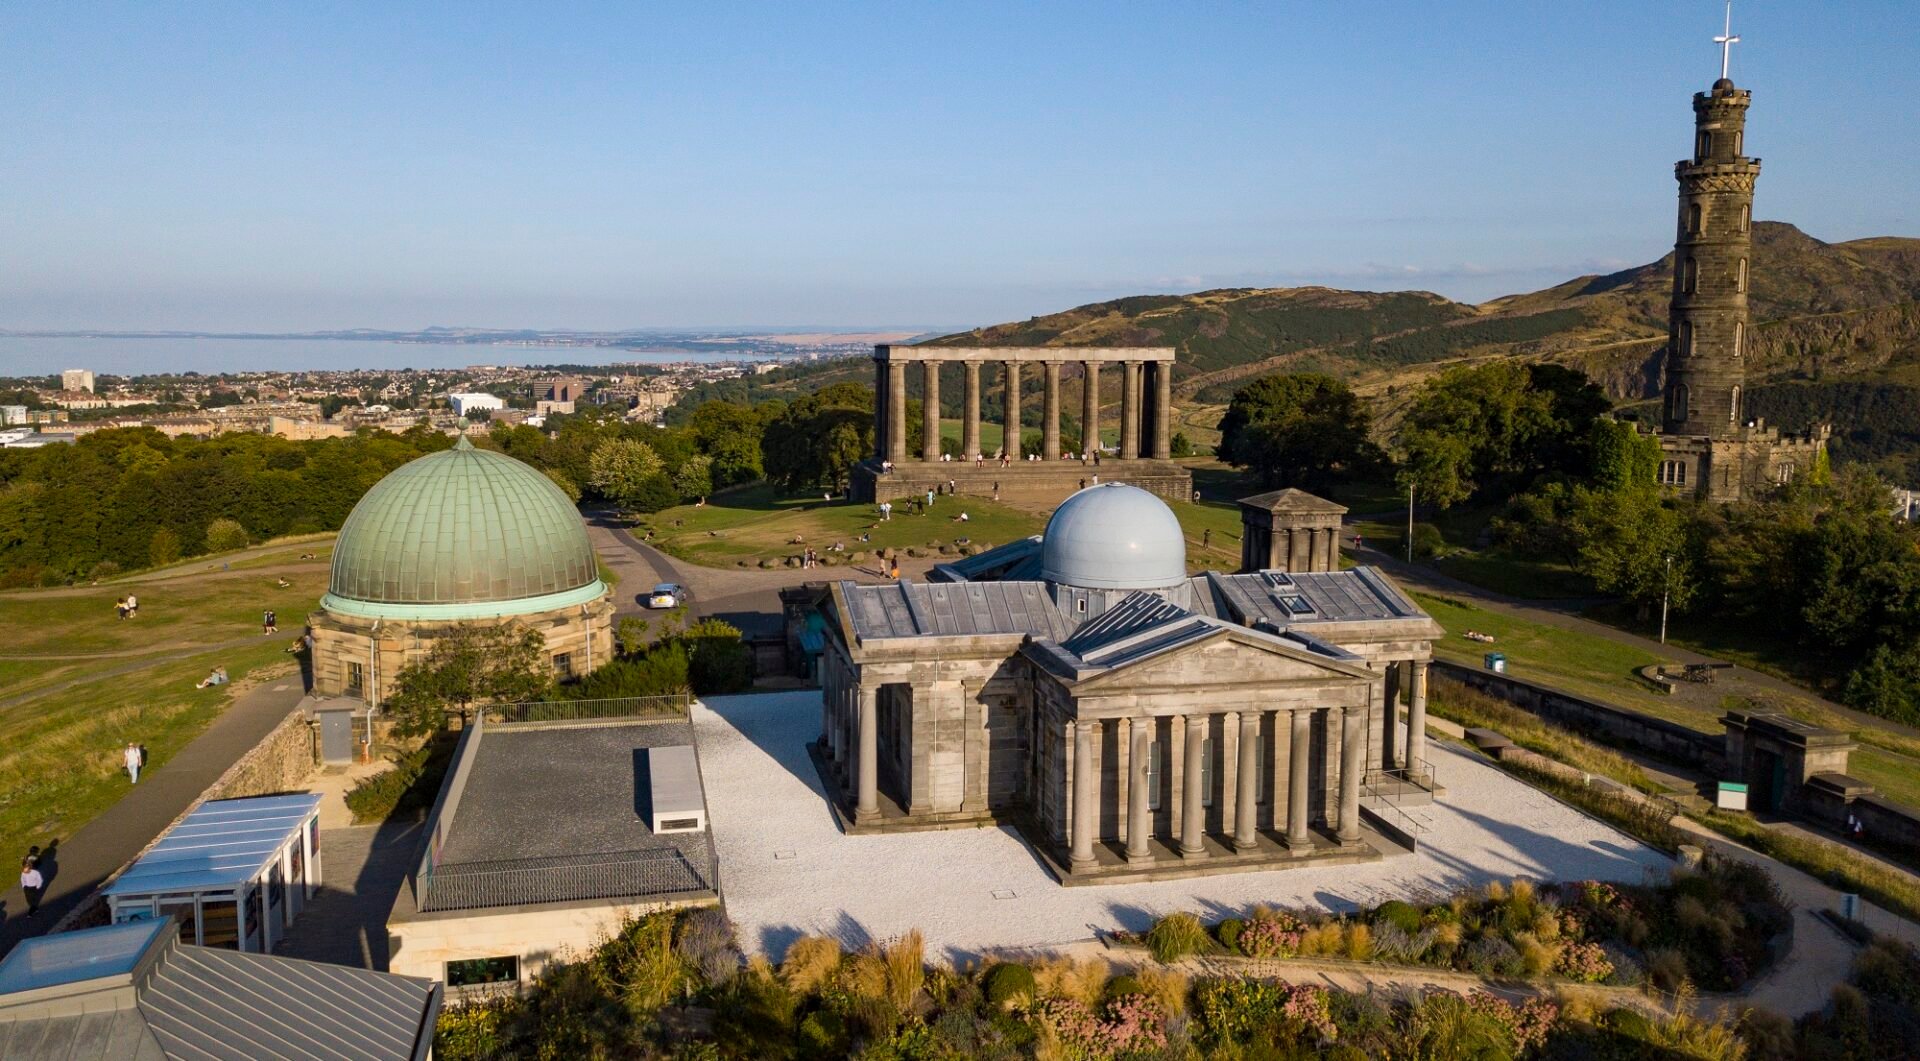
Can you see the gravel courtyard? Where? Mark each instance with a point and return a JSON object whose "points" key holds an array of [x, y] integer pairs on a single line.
{"points": [[786, 870]]}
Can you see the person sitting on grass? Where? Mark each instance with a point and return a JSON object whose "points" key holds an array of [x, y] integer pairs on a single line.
{"points": [[218, 677], [961, 518]]}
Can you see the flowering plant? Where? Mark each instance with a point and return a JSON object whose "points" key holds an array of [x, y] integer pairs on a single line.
{"points": [[1277, 936]]}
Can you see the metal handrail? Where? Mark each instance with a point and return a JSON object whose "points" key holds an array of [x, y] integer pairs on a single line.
{"points": [[525, 881], [1391, 803]]}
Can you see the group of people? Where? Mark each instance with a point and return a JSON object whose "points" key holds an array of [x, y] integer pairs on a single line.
{"points": [[269, 622], [127, 607]]}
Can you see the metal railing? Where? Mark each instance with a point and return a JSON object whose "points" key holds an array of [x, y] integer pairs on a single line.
{"points": [[674, 706], [616, 875], [1384, 799]]}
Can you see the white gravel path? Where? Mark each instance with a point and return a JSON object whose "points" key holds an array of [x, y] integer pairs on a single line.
{"points": [[787, 870]]}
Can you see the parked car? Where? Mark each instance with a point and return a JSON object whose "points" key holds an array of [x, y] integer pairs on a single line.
{"points": [[667, 595]]}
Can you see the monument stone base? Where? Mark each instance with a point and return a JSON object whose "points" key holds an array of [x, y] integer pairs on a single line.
{"points": [[1042, 482]]}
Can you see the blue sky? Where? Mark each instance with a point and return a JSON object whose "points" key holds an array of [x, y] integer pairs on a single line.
{"points": [[298, 166]]}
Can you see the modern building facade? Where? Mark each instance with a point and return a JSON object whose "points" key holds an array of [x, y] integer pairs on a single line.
{"points": [[1135, 720], [77, 379], [464, 537], [1710, 449], [1143, 456]]}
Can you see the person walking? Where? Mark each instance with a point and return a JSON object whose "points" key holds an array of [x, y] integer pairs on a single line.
{"points": [[267, 623], [133, 759], [33, 884], [133, 605], [120, 607]]}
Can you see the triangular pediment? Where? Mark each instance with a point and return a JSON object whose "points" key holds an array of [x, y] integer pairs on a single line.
{"points": [[1229, 656]]}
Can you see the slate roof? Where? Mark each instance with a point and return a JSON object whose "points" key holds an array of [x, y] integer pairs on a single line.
{"points": [[1016, 561], [152, 998], [1282, 600], [1291, 500], [224, 843], [1144, 625], [919, 609]]}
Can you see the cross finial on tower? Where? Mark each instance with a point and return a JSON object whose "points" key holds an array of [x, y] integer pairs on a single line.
{"points": [[1726, 40]]}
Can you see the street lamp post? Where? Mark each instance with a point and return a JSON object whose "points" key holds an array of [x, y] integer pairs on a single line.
{"points": [[1666, 588]]}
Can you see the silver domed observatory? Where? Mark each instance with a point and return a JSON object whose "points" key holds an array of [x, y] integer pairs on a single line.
{"points": [[1113, 539]]}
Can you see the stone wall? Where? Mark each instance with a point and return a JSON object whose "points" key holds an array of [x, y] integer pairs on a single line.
{"points": [[1608, 724], [281, 762]]}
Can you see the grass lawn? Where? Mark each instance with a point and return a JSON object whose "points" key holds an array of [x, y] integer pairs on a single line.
{"points": [[61, 760], [193, 609], [755, 522]]}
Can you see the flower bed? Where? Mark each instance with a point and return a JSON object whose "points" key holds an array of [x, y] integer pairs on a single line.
{"points": [[1709, 929]]}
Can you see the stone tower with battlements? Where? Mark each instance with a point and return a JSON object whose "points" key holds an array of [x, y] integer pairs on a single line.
{"points": [[1709, 448]]}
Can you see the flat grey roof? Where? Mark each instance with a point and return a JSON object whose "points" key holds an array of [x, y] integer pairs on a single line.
{"points": [[673, 776], [563, 791]]}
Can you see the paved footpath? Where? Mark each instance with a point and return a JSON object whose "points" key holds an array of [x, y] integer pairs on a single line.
{"points": [[85, 859]]}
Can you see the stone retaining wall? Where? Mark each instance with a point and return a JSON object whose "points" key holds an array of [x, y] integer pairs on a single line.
{"points": [[1610, 725], [281, 762]]}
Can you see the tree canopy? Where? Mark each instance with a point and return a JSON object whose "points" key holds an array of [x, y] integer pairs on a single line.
{"points": [[1304, 430]]}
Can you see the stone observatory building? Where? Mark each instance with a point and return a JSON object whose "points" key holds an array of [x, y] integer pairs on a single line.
{"points": [[463, 537], [1134, 719]]}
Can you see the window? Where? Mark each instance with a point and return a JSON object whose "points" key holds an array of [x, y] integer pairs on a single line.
{"points": [[1739, 338], [1686, 340], [1739, 141], [563, 665], [1153, 774], [1746, 216], [1785, 472], [472, 972], [1673, 473], [1702, 145], [1682, 406], [1740, 277], [220, 924], [356, 679], [1695, 217], [1690, 276]]}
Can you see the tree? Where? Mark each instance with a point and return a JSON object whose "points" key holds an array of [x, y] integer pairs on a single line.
{"points": [[1471, 426], [565, 483], [1305, 430], [164, 547], [729, 434], [818, 437], [466, 666], [225, 535], [694, 478], [1635, 544], [620, 469]]}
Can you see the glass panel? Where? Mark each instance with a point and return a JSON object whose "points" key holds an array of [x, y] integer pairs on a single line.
{"points": [[473, 971], [220, 924], [182, 911]]}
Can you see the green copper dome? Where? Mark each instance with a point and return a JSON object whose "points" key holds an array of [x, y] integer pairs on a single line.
{"points": [[462, 534]]}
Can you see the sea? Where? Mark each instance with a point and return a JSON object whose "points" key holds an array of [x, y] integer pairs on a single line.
{"points": [[128, 356]]}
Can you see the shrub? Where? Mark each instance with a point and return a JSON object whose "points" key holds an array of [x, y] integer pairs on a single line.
{"points": [[1008, 982], [1585, 962], [1167, 987], [1122, 985], [1175, 936], [1359, 943], [1536, 958], [810, 962], [906, 971], [705, 942], [1403, 915], [1083, 980], [1493, 956], [1667, 968], [1229, 932], [225, 535], [1626, 969], [862, 976], [1277, 935], [1327, 938], [410, 785]]}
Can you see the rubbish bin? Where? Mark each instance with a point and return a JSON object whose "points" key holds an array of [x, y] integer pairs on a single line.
{"points": [[1497, 662]]}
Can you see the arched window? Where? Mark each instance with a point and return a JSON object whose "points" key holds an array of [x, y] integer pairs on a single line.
{"points": [[1682, 409], [1739, 141], [1695, 218], [1702, 145], [1746, 216], [1740, 278], [1690, 277], [1739, 339], [1733, 406], [1686, 338], [1673, 473], [1785, 472]]}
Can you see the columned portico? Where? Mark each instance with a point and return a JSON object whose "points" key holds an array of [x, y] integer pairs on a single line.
{"points": [[1139, 795], [1146, 402], [1086, 793], [869, 770], [1417, 722], [1353, 747], [1246, 805], [1193, 810], [1299, 841]]}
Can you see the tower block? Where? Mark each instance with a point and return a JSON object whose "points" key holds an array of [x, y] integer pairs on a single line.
{"points": [[1707, 325]]}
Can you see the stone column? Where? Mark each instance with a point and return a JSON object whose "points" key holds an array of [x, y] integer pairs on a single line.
{"points": [[1193, 813], [1129, 410], [1162, 410], [1390, 714], [1139, 815], [1050, 412], [1010, 434], [1353, 747], [869, 752], [930, 411], [1246, 808], [1298, 840], [1086, 794], [897, 411], [970, 422], [1417, 721], [1090, 410], [879, 409]]}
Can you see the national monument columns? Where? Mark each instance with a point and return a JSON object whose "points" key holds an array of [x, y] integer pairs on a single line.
{"points": [[1145, 419]]}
